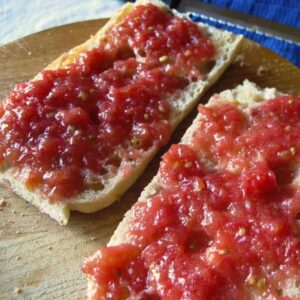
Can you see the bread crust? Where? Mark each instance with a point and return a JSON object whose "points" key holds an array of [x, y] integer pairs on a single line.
{"points": [[182, 103], [245, 96]]}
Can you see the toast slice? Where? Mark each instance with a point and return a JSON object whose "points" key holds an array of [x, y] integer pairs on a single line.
{"points": [[133, 228], [115, 183]]}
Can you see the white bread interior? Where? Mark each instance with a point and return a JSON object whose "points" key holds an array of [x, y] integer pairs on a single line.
{"points": [[245, 96], [115, 184]]}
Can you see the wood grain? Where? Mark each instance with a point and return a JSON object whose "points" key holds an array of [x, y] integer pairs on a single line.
{"points": [[37, 255]]}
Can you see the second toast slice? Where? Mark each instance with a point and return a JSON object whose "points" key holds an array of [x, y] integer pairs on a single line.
{"points": [[220, 220]]}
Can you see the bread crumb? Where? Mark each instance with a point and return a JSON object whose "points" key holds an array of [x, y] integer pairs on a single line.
{"points": [[18, 257], [29, 53], [22, 214], [13, 211], [2, 203], [93, 238], [239, 59], [18, 232], [18, 290], [50, 247], [262, 71]]}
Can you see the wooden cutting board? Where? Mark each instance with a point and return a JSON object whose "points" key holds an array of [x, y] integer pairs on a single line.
{"points": [[40, 259]]}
